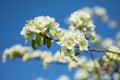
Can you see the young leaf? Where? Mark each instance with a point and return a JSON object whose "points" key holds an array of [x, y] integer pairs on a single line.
{"points": [[33, 43], [57, 34], [77, 52], [49, 43], [36, 42], [44, 40], [72, 58]]}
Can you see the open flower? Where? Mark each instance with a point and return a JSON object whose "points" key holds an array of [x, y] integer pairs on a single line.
{"points": [[46, 58], [81, 74], [101, 13], [83, 45], [79, 19]]}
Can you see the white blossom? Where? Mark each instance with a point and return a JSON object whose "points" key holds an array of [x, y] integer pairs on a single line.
{"points": [[113, 23], [36, 54], [39, 24], [113, 55], [74, 37], [88, 10], [90, 25], [82, 60], [67, 40], [81, 74], [97, 40], [71, 63], [83, 45], [40, 78], [26, 57], [63, 77], [118, 38], [101, 13], [107, 43], [59, 57], [79, 19], [15, 51], [46, 58], [92, 64]]}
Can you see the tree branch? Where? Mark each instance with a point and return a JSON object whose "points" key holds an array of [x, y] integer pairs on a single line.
{"points": [[101, 51]]}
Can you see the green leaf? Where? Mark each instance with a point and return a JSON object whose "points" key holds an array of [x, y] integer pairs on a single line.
{"points": [[33, 44], [47, 31], [44, 39], [36, 41], [52, 32], [57, 34], [72, 58], [77, 52], [49, 43]]}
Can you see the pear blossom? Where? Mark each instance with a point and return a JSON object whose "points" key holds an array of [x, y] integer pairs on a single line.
{"points": [[88, 10], [72, 38], [118, 38], [112, 55], [71, 63], [107, 43], [83, 45], [67, 40], [40, 78], [82, 60], [101, 13], [26, 57], [15, 51], [92, 64], [81, 74], [63, 77], [82, 21], [59, 57], [39, 24], [46, 58], [90, 25], [79, 19], [36, 54], [113, 23]]}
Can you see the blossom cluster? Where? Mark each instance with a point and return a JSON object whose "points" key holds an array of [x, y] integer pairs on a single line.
{"points": [[101, 13], [41, 25], [84, 66], [26, 53], [82, 20], [112, 56], [73, 42], [15, 51], [72, 37], [79, 19]]}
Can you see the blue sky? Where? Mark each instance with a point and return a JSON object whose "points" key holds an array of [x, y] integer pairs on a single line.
{"points": [[13, 16]]}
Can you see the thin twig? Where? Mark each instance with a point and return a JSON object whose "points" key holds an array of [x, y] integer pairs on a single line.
{"points": [[102, 51]]}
